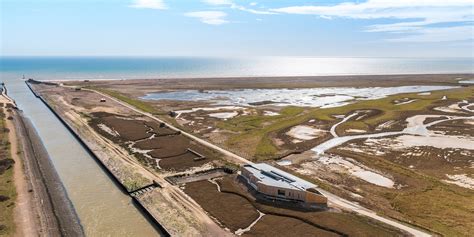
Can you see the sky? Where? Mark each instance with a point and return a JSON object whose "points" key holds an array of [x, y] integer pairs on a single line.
{"points": [[234, 28]]}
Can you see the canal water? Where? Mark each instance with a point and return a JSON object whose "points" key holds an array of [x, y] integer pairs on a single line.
{"points": [[102, 208]]}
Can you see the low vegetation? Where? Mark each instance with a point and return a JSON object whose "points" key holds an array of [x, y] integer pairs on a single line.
{"points": [[259, 128], [423, 200], [252, 134], [139, 104], [7, 187]]}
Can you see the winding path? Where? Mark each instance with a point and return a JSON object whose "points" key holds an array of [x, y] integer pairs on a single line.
{"points": [[415, 126], [333, 128]]}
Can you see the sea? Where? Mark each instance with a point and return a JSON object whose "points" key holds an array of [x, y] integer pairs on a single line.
{"points": [[66, 68]]}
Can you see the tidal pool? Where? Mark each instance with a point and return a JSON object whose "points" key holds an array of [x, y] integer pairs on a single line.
{"points": [[310, 97]]}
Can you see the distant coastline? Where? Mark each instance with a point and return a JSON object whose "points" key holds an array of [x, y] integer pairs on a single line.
{"points": [[104, 68]]}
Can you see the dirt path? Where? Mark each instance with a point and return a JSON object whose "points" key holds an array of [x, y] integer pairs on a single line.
{"points": [[333, 128], [24, 215]]}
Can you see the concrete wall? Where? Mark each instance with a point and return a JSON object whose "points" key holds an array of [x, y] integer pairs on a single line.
{"points": [[289, 193], [316, 198]]}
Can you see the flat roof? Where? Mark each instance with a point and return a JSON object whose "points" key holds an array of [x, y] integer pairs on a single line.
{"points": [[272, 176]]}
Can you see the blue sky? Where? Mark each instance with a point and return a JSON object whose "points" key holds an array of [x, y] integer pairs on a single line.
{"points": [[382, 28]]}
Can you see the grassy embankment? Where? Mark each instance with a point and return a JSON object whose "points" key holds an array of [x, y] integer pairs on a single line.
{"points": [[7, 187]]}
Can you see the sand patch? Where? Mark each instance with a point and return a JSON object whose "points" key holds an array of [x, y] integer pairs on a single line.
{"points": [[442, 142], [208, 109], [469, 122], [424, 93], [270, 113], [108, 130], [467, 81], [405, 102], [461, 180], [454, 108], [224, 115], [302, 132], [352, 167]]}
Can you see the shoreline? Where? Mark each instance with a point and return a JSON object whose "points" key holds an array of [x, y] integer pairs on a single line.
{"points": [[222, 83], [252, 77]]}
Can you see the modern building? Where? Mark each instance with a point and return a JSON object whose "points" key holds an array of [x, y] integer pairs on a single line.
{"points": [[274, 184]]}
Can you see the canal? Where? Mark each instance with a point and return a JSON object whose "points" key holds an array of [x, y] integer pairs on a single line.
{"points": [[102, 208]]}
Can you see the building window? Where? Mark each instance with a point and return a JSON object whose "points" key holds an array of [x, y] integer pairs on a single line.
{"points": [[281, 192]]}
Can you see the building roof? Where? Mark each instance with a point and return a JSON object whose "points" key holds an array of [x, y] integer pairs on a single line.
{"points": [[271, 176]]}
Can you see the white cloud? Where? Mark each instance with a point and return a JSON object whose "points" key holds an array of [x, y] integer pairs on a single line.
{"points": [[209, 17], [150, 4], [232, 5], [253, 3], [419, 18], [439, 34]]}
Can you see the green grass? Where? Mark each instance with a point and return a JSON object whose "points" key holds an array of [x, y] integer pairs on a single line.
{"points": [[425, 201], [141, 105], [440, 208], [7, 187], [259, 127]]}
